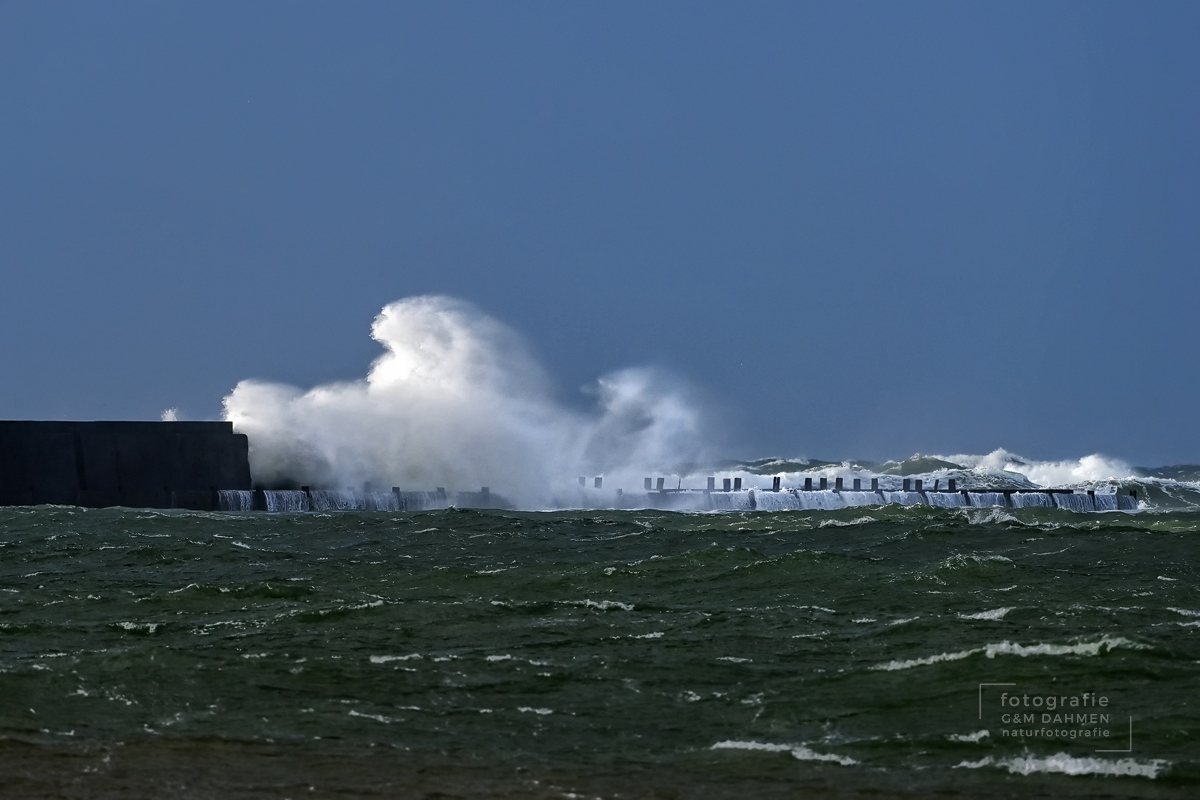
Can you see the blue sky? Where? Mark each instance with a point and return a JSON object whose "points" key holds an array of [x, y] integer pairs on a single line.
{"points": [[864, 229]]}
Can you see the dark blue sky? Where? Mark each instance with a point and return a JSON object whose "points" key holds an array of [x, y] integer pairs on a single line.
{"points": [[865, 229]]}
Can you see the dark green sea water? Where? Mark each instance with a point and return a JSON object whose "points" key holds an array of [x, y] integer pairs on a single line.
{"points": [[631, 654]]}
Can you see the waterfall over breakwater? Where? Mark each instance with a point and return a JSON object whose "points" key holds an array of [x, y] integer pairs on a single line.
{"points": [[1033, 500], [351, 500]]}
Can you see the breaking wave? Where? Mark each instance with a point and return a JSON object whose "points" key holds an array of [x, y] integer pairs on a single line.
{"points": [[1064, 764], [1006, 648], [798, 751], [458, 400]]}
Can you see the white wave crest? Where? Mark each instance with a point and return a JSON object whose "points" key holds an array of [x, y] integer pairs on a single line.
{"points": [[1071, 765], [837, 523], [1102, 645], [604, 605], [998, 468], [894, 665], [1006, 648], [389, 659], [1090, 468], [799, 752], [995, 613]]}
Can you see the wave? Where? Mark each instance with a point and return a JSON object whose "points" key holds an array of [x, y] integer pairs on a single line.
{"points": [[1071, 765], [1006, 648], [799, 752], [1155, 487], [994, 614], [457, 400]]}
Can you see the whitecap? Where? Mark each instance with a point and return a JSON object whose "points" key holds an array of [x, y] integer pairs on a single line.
{"points": [[964, 559], [387, 659], [604, 605], [924, 662], [798, 751], [1071, 765], [975, 737], [1007, 648], [1001, 463], [994, 614], [369, 604], [802, 753], [837, 523], [1103, 644]]}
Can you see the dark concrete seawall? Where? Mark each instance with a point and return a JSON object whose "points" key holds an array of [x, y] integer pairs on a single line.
{"points": [[137, 464]]}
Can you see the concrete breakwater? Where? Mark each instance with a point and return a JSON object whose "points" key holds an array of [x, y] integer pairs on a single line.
{"points": [[136, 464], [205, 466], [829, 499], [823, 494], [675, 500]]}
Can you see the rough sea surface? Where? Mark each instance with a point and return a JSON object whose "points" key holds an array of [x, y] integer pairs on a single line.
{"points": [[613, 653]]}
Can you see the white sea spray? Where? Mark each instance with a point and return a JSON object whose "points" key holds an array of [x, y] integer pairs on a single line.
{"points": [[458, 400], [1006, 648]]}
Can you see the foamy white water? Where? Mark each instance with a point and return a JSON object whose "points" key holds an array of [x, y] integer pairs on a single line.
{"points": [[1065, 764], [1006, 648], [458, 400]]}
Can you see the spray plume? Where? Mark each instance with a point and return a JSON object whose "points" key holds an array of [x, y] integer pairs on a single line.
{"points": [[457, 400]]}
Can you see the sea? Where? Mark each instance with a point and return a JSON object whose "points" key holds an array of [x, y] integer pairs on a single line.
{"points": [[862, 651]]}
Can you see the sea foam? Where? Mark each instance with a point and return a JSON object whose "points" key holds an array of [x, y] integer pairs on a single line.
{"points": [[1006, 648], [1072, 765], [799, 752]]}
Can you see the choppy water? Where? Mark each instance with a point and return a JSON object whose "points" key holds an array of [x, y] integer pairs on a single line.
{"points": [[609, 653]]}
